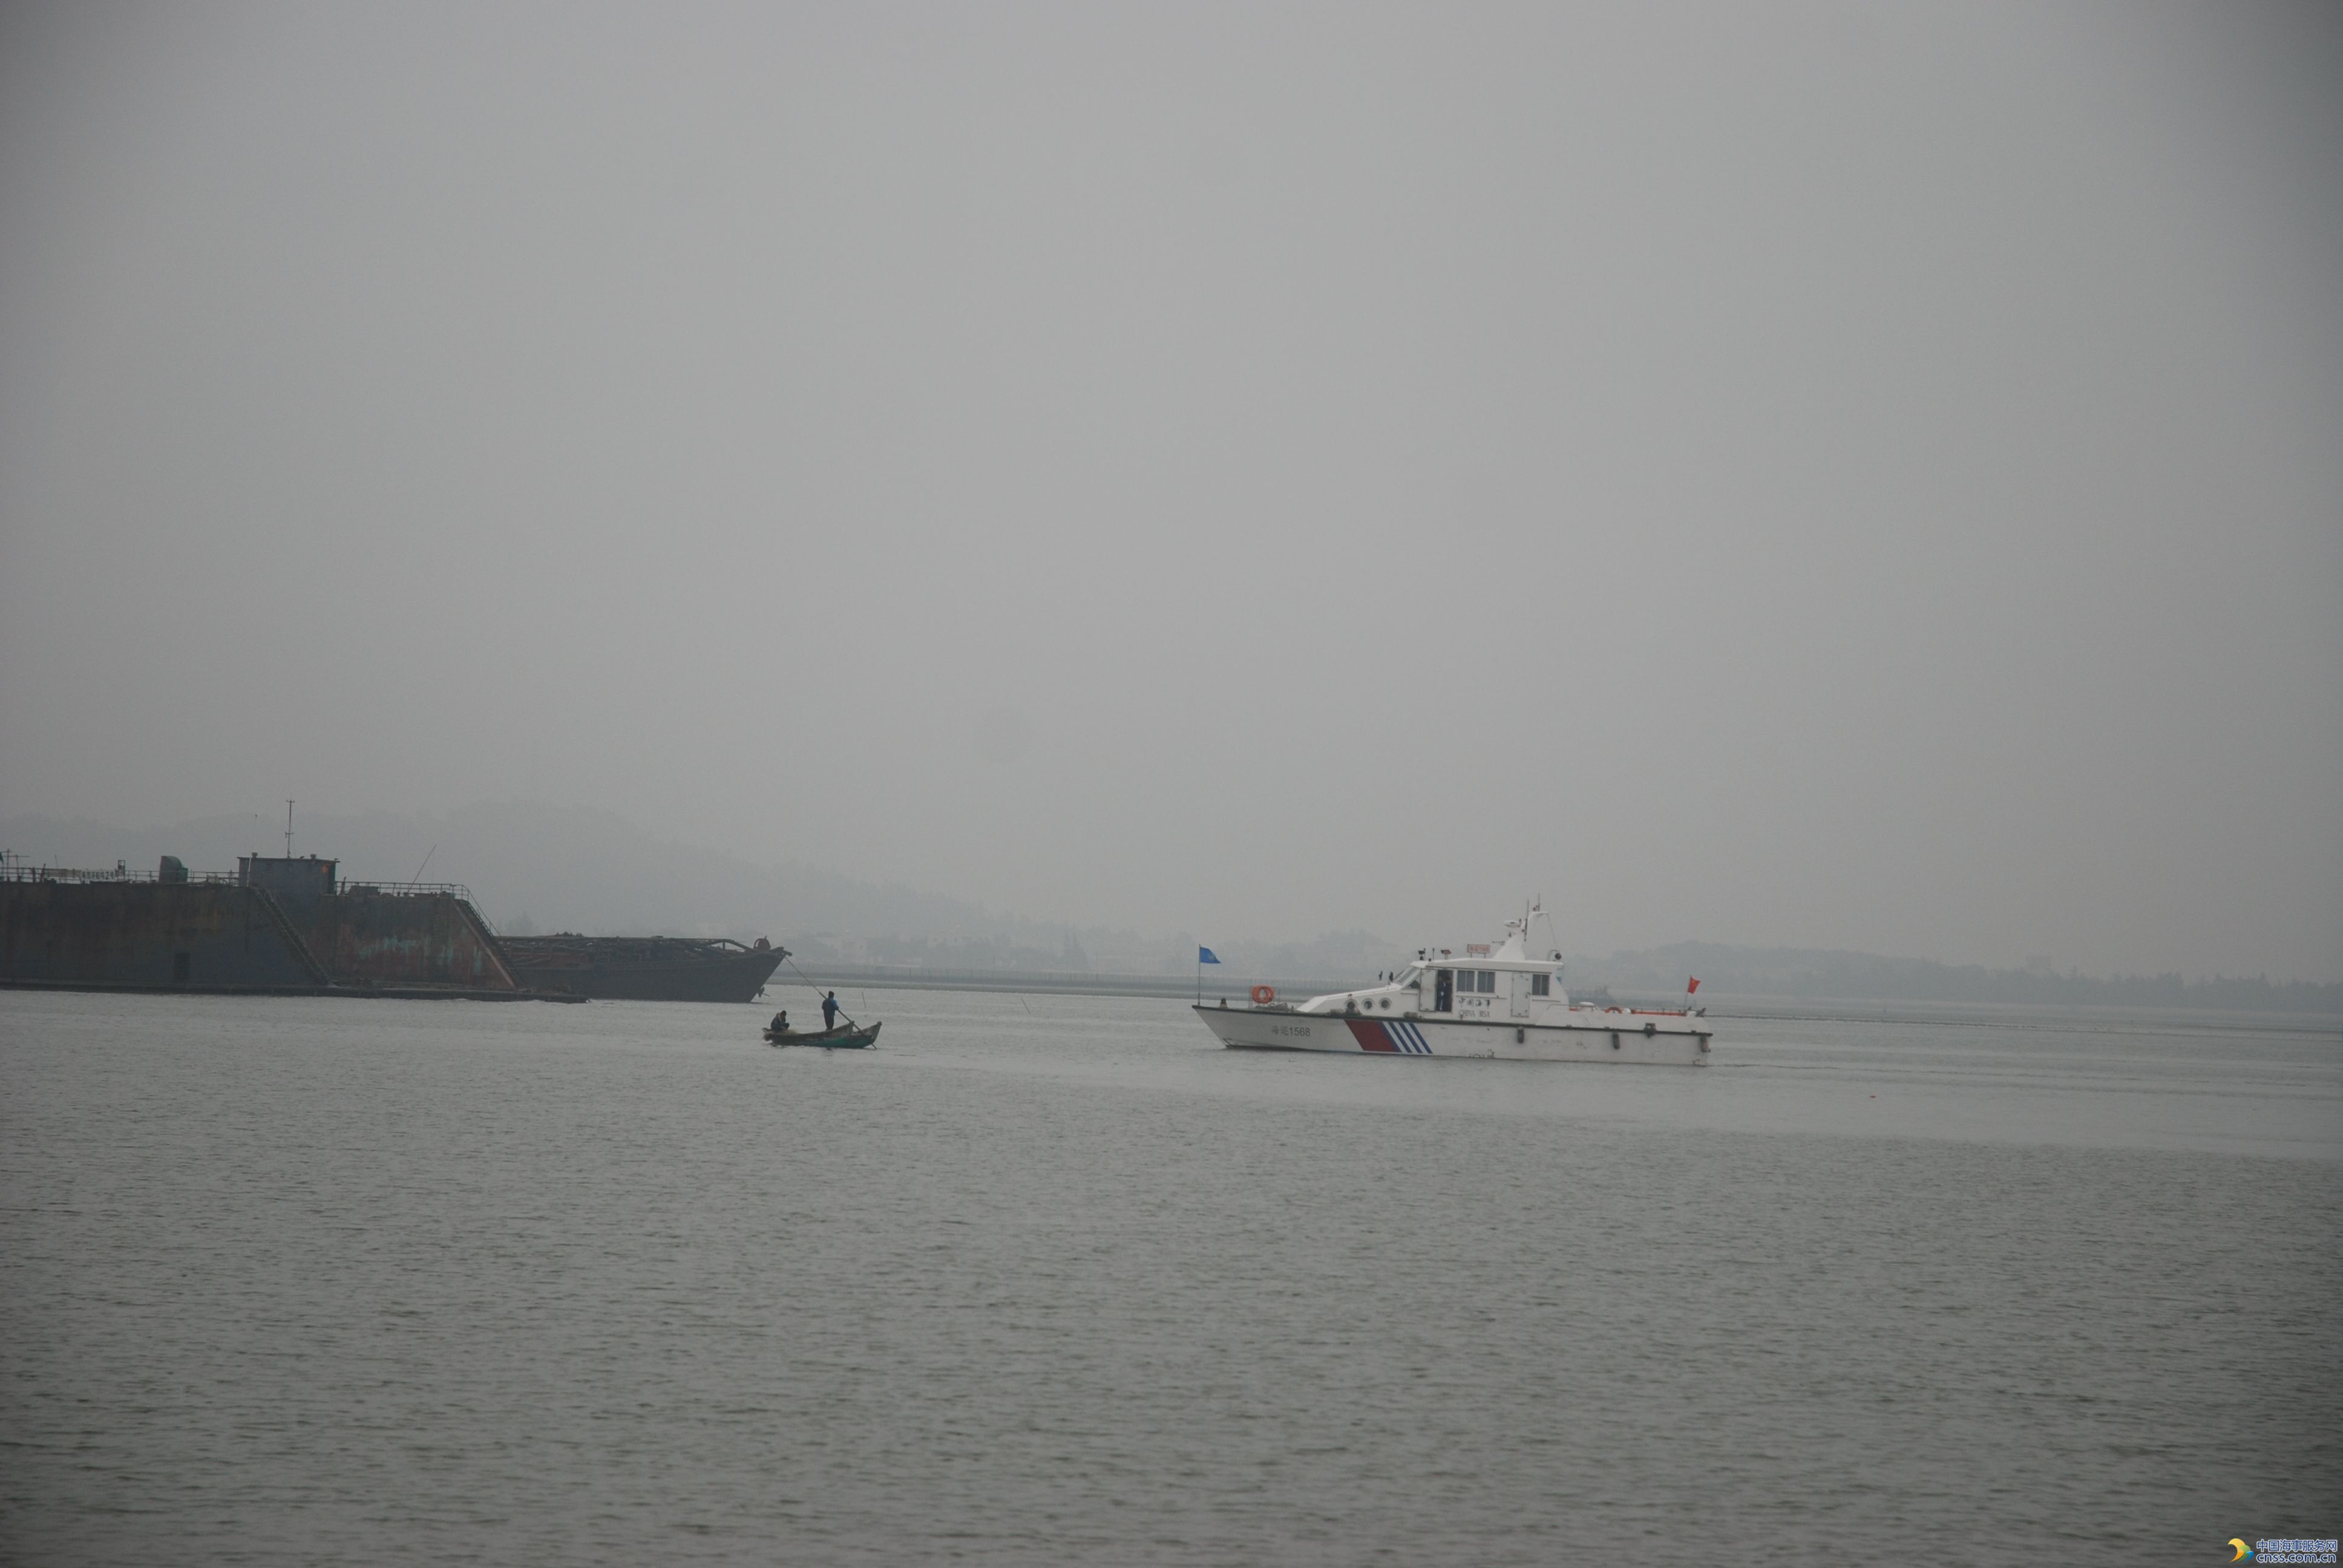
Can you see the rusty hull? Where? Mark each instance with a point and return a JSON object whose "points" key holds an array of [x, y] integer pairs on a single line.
{"points": [[408, 938], [171, 936], [223, 935]]}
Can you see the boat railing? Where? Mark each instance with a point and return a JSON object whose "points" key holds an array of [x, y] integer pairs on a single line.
{"points": [[456, 890], [15, 872], [411, 890]]}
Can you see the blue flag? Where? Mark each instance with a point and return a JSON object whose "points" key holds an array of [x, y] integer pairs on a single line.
{"points": [[1205, 956]]}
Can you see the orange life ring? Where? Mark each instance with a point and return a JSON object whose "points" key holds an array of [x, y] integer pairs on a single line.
{"points": [[1263, 995]]}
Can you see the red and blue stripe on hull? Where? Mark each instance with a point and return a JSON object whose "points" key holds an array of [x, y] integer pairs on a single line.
{"points": [[1389, 1035]]}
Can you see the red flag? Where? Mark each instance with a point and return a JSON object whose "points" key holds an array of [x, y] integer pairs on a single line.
{"points": [[1691, 985]]}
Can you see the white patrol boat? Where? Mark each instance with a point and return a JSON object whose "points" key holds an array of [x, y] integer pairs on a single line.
{"points": [[1491, 1002]]}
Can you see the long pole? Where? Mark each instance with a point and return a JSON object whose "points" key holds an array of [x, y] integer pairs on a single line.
{"points": [[815, 989]]}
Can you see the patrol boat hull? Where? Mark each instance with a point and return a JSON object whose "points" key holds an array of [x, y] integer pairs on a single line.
{"points": [[1598, 1036]]}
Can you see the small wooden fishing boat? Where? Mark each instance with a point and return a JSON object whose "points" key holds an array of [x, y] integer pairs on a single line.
{"points": [[845, 1037]]}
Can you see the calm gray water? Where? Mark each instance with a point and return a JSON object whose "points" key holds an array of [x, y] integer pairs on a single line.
{"points": [[1057, 1279]]}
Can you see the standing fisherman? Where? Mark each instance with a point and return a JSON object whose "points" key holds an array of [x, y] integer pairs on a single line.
{"points": [[830, 1012]]}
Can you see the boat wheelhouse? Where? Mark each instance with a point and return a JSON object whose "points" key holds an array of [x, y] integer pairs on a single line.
{"points": [[1494, 1000]]}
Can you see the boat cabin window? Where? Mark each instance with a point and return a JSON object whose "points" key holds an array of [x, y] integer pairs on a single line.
{"points": [[1537, 985], [1487, 982]]}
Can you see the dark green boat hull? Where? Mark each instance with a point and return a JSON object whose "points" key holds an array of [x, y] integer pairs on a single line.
{"points": [[830, 1039]]}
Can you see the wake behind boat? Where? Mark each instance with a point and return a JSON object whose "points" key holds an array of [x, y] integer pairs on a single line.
{"points": [[1500, 1003]]}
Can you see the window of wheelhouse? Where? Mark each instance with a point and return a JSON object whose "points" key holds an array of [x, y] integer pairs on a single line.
{"points": [[1487, 982], [1537, 985]]}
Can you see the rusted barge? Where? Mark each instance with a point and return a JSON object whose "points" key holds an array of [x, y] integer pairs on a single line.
{"points": [[278, 926], [644, 968]]}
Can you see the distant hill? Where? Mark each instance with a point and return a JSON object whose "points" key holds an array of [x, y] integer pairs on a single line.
{"points": [[529, 866], [536, 868], [1868, 977]]}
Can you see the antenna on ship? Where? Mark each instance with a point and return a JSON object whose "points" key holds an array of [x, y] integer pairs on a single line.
{"points": [[1552, 930], [289, 829]]}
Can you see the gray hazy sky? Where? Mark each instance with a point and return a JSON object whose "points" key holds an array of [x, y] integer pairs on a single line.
{"points": [[1863, 477]]}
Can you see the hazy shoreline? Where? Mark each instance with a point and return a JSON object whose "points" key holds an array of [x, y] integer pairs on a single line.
{"points": [[538, 868], [1720, 1004]]}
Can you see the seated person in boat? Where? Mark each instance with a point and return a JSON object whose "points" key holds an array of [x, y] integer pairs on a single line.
{"points": [[781, 1022]]}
